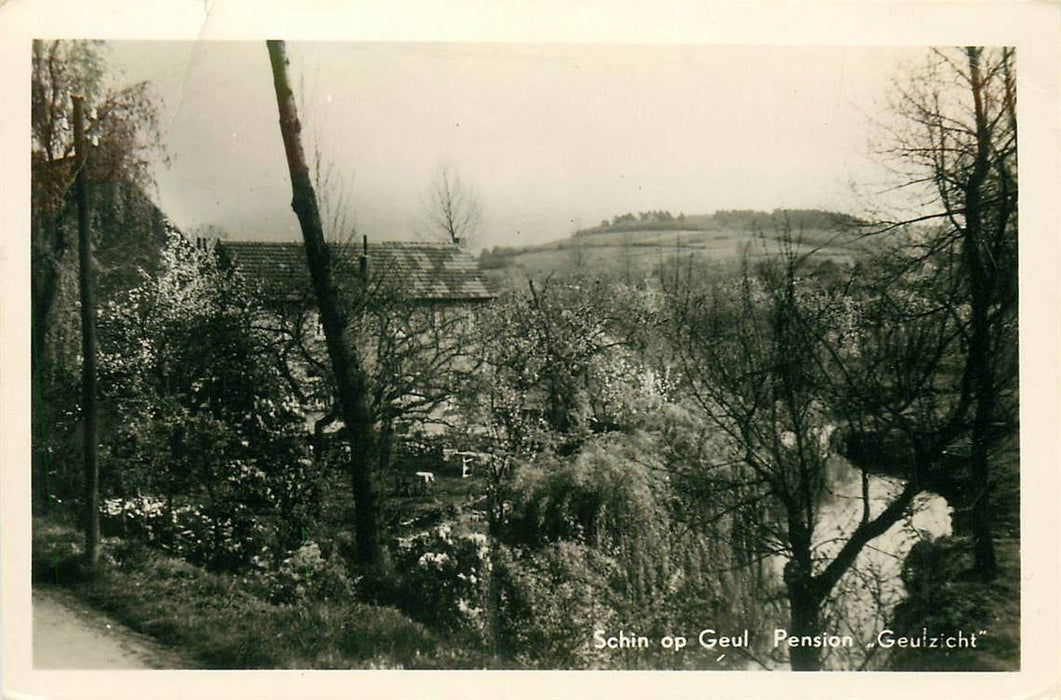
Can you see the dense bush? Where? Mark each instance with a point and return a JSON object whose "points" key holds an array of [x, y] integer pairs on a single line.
{"points": [[442, 578], [201, 417], [307, 574], [944, 597], [550, 601], [228, 541]]}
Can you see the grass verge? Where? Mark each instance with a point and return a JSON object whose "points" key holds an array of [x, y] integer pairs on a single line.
{"points": [[214, 621]]}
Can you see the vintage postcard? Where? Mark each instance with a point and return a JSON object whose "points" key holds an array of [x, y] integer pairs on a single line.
{"points": [[555, 349]]}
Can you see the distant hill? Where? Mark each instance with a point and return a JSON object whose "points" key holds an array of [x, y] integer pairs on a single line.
{"points": [[636, 245], [746, 219]]}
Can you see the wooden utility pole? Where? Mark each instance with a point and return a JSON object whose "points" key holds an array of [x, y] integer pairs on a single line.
{"points": [[349, 376], [88, 341]]}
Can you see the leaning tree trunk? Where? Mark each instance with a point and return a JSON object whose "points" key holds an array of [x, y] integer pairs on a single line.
{"points": [[349, 377]]}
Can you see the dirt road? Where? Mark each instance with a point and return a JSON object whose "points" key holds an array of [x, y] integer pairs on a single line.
{"points": [[67, 634]]}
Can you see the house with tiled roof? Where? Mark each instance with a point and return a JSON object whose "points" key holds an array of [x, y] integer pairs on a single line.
{"points": [[428, 294], [418, 271]]}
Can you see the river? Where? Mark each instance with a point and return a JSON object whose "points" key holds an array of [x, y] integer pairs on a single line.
{"points": [[863, 600]]}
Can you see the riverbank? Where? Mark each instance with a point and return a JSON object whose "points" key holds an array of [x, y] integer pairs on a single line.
{"points": [[944, 597]]}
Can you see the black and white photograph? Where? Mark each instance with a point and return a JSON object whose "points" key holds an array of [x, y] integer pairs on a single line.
{"points": [[480, 355]]}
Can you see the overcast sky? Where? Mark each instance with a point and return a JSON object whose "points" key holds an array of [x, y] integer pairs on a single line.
{"points": [[552, 138]]}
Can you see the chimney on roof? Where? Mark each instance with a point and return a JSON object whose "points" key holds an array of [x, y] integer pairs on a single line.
{"points": [[457, 241], [363, 262]]}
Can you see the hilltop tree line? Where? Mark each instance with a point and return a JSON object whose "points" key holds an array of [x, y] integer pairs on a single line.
{"points": [[741, 219], [643, 217], [748, 219]]}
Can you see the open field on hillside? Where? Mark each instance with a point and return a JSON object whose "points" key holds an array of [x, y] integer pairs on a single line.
{"points": [[640, 252]]}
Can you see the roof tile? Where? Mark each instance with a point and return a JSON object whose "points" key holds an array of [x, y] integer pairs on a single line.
{"points": [[421, 271]]}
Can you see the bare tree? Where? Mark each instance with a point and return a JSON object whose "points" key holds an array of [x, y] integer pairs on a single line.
{"points": [[331, 185], [776, 366], [451, 207], [917, 349], [958, 139]]}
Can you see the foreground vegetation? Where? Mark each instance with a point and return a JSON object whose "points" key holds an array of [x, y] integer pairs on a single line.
{"points": [[944, 596], [222, 621], [225, 621]]}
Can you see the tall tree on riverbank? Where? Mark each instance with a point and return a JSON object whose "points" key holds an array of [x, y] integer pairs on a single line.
{"points": [[350, 378], [959, 138], [775, 364]]}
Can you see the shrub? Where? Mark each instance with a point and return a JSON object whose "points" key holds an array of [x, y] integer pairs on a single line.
{"points": [[203, 413], [551, 600], [222, 540], [943, 597], [307, 574], [441, 578]]}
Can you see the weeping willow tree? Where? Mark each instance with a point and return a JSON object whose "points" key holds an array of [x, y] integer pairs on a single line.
{"points": [[585, 521]]}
